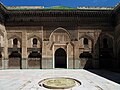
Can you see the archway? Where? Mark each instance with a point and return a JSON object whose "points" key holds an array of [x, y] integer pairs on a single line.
{"points": [[106, 55], [60, 34], [60, 58]]}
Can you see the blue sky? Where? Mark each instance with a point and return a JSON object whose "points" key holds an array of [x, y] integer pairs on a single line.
{"points": [[69, 3]]}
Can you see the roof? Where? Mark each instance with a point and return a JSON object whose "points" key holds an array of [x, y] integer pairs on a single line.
{"points": [[57, 8]]}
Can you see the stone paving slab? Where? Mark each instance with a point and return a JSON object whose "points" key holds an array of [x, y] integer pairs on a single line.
{"points": [[28, 79]]}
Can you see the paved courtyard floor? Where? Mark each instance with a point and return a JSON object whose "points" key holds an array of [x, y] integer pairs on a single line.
{"points": [[28, 79]]}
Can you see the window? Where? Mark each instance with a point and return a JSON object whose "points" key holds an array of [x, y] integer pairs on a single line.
{"points": [[15, 41], [34, 41], [85, 41]]}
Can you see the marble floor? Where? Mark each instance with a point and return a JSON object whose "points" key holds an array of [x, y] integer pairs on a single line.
{"points": [[28, 79]]}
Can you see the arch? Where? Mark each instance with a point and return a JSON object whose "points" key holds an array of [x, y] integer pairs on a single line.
{"points": [[106, 56], [106, 34], [15, 36], [60, 58], [109, 40], [89, 37], [90, 44], [34, 36], [12, 43], [59, 29]]}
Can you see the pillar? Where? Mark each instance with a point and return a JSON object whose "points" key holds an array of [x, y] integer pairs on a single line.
{"points": [[24, 49], [96, 46], [5, 49], [70, 56]]}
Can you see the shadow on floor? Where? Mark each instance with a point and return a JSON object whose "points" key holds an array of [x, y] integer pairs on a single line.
{"points": [[113, 76]]}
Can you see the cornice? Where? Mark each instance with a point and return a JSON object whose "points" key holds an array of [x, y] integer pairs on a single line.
{"points": [[55, 11]]}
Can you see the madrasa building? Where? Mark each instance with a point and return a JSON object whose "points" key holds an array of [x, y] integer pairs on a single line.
{"points": [[59, 37]]}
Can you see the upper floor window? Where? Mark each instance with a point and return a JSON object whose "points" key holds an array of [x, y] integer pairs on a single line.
{"points": [[34, 41], [85, 41], [15, 41]]}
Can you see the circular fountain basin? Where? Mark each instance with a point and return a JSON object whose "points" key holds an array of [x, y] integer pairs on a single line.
{"points": [[59, 83]]}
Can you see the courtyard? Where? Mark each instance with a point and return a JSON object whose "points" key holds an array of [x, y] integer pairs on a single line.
{"points": [[28, 79]]}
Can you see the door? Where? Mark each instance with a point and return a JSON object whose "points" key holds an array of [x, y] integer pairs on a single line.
{"points": [[60, 58]]}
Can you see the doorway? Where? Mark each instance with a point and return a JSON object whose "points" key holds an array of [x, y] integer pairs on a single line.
{"points": [[60, 58]]}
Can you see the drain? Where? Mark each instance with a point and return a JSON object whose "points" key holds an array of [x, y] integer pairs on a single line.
{"points": [[59, 83]]}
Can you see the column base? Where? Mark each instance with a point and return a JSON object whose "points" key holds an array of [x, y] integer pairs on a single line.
{"points": [[95, 63], [77, 64], [47, 63], [70, 63], [5, 64], [24, 63]]}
